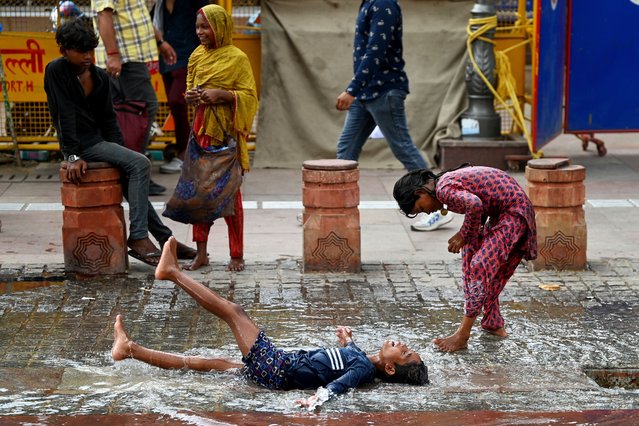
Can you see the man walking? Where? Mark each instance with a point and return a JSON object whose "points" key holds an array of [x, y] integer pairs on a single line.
{"points": [[127, 42], [376, 94]]}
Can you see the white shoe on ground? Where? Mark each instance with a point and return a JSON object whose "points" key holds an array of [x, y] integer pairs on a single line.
{"points": [[431, 222], [173, 166]]}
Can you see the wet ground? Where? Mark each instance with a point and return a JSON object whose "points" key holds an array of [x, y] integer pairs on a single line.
{"points": [[571, 357], [56, 337]]}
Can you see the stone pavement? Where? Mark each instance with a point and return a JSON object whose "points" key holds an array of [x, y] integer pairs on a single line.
{"points": [[56, 332], [57, 335]]}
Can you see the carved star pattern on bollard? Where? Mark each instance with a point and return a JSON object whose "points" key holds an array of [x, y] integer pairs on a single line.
{"points": [[334, 250], [93, 251], [559, 250]]}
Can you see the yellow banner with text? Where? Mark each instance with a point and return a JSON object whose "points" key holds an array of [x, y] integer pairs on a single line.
{"points": [[24, 56]]}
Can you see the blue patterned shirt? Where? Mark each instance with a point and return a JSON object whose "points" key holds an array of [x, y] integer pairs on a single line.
{"points": [[377, 50]]}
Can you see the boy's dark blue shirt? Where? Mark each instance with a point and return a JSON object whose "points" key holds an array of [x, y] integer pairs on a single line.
{"points": [[338, 369], [377, 50]]}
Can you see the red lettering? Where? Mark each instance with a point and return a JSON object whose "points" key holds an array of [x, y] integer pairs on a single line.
{"points": [[32, 65], [20, 86]]}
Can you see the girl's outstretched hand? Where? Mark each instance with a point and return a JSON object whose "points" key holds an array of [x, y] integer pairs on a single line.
{"points": [[456, 243]]}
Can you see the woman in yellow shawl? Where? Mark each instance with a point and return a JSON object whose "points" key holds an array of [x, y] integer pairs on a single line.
{"points": [[220, 81]]}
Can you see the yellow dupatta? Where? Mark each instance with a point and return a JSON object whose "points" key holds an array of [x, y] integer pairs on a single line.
{"points": [[228, 68]]}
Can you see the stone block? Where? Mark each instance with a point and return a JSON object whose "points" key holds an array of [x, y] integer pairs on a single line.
{"points": [[561, 238], [332, 240], [93, 226], [557, 192]]}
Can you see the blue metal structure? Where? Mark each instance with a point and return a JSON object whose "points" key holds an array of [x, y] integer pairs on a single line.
{"points": [[548, 70], [602, 91]]}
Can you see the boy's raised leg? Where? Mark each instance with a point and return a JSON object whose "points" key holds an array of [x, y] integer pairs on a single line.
{"points": [[243, 328], [124, 347]]}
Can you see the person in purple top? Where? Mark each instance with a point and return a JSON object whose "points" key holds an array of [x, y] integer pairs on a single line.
{"points": [[376, 94], [498, 231], [332, 371]]}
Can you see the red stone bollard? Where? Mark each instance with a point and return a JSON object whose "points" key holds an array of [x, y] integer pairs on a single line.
{"points": [[93, 228], [557, 192], [332, 241]]}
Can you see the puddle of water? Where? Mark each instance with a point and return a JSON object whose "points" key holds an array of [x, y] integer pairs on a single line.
{"points": [[614, 377], [18, 286], [539, 367]]}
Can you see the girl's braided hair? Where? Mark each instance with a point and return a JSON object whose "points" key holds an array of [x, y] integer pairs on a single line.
{"points": [[405, 187]]}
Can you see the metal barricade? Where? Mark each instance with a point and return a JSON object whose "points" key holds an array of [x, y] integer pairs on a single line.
{"points": [[24, 20]]}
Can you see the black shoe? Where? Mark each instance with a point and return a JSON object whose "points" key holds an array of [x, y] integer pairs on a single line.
{"points": [[155, 188]]}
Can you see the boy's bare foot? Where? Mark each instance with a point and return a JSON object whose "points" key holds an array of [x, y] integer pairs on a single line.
{"points": [[235, 264], [120, 349], [199, 261], [500, 332], [168, 267], [455, 342]]}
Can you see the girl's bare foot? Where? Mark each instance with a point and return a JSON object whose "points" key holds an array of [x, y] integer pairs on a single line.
{"points": [[199, 261], [455, 342], [121, 341], [500, 332], [168, 267], [235, 264]]}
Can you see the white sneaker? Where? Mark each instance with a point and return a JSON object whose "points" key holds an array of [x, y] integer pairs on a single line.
{"points": [[431, 222], [156, 130], [173, 166]]}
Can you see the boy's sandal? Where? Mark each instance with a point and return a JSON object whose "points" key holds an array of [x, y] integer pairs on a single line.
{"points": [[152, 258]]}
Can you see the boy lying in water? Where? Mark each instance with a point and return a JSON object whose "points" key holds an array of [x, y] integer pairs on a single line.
{"points": [[333, 370]]}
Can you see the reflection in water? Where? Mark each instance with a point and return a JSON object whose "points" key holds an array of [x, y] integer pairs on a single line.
{"points": [[17, 286]]}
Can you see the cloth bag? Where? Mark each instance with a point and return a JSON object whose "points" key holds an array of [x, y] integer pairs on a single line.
{"points": [[132, 117], [208, 184], [133, 121]]}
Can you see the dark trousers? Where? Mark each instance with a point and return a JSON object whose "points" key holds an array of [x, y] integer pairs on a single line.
{"points": [[175, 86]]}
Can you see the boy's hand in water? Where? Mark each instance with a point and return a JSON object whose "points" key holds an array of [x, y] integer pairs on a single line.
{"points": [[344, 335], [321, 396], [307, 402]]}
